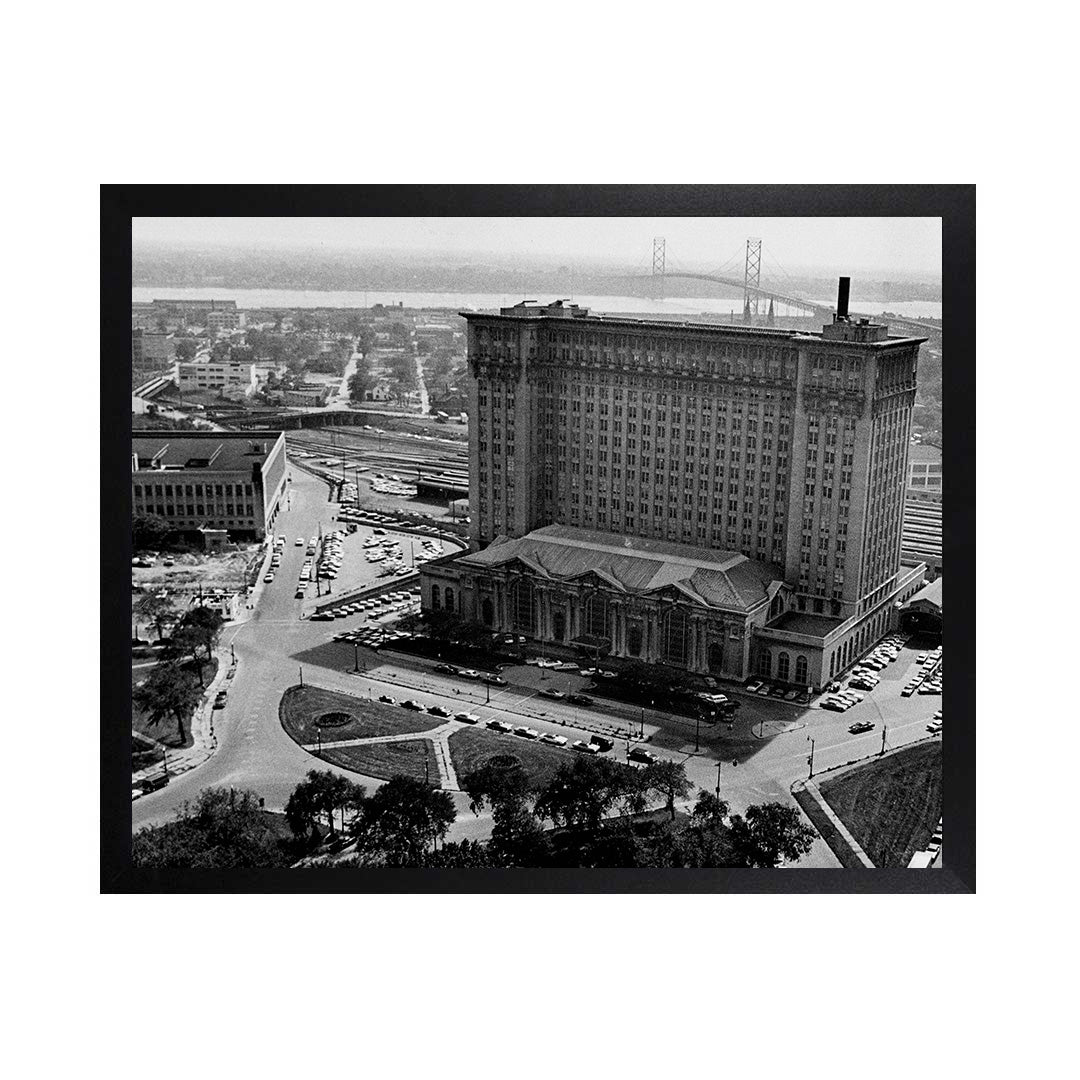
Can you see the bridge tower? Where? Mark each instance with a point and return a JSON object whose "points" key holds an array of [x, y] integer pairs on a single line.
{"points": [[752, 277], [659, 264]]}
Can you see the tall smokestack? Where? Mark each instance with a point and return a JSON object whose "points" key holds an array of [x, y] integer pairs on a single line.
{"points": [[842, 298]]}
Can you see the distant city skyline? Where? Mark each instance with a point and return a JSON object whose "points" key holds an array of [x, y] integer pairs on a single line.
{"points": [[902, 246]]}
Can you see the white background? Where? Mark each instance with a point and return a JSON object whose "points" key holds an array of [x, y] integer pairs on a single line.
{"points": [[519, 986]]}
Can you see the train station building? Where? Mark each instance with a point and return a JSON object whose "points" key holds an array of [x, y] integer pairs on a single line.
{"points": [[725, 499]]}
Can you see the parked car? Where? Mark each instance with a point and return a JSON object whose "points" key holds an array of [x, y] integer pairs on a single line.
{"points": [[469, 673], [582, 700], [753, 686], [495, 680], [526, 732], [499, 725], [602, 742], [438, 710], [549, 693], [639, 753], [582, 747], [467, 717], [860, 727], [553, 740], [446, 669], [415, 706], [387, 699]]}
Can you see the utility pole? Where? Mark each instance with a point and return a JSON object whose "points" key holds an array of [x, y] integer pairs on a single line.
{"points": [[883, 731], [811, 776], [301, 674], [356, 657], [718, 764]]}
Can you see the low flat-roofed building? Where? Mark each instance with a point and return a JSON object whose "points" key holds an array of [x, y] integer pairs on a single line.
{"points": [[312, 397], [210, 480], [921, 614], [150, 347], [214, 376]]}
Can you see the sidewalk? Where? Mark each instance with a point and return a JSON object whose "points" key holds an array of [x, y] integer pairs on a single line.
{"points": [[204, 740]]}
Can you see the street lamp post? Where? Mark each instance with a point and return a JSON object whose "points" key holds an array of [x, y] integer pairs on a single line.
{"points": [[301, 674], [718, 764], [356, 657], [811, 776]]}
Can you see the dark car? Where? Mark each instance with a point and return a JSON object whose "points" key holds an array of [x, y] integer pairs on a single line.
{"points": [[495, 680], [387, 699], [438, 710], [414, 705], [605, 744], [580, 699], [860, 727], [446, 669], [219, 703], [640, 754], [499, 725], [778, 691]]}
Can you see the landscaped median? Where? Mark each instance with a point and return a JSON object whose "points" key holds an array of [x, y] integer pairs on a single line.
{"points": [[891, 805], [313, 716], [471, 748]]}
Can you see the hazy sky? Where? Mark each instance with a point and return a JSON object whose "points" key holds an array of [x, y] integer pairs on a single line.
{"points": [[901, 244]]}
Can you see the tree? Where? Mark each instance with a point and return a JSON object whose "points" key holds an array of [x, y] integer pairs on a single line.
{"points": [[186, 348], [322, 794], [517, 838], [468, 854], [204, 625], [168, 692], [768, 833], [402, 819], [581, 793], [158, 611], [149, 530], [224, 828], [668, 778]]}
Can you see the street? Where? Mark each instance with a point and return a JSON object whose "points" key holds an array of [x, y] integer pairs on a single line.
{"points": [[765, 750]]}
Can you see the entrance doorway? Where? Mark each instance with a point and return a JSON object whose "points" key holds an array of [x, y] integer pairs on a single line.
{"points": [[716, 657], [558, 623]]}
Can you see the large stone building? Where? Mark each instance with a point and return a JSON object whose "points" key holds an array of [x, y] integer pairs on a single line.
{"points": [[714, 447], [210, 480]]}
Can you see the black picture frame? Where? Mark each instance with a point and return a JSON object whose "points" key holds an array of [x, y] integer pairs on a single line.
{"points": [[954, 204]]}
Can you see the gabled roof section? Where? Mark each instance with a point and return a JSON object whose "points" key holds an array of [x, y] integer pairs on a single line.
{"points": [[716, 579]]}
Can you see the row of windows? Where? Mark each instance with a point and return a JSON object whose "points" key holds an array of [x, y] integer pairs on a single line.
{"points": [[196, 490]]}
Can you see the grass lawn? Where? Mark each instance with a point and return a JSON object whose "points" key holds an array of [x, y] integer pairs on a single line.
{"points": [[302, 705], [415, 758], [471, 747], [891, 806]]}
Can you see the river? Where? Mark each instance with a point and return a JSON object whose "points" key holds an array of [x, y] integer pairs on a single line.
{"points": [[675, 305]]}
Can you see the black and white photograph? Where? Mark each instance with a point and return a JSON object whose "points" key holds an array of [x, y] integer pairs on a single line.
{"points": [[513, 546]]}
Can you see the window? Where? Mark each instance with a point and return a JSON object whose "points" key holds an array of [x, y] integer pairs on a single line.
{"points": [[434, 597], [800, 669], [783, 667], [764, 664], [449, 598]]}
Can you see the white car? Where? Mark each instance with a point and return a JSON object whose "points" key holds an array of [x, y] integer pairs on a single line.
{"points": [[299, 541], [269, 577], [467, 717], [554, 740]]}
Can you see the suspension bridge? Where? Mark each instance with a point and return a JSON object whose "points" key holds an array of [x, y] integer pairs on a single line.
{"points": [[753, 290]]}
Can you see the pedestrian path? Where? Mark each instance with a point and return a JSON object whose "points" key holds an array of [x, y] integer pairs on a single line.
{"points": [[439, 738], [812, 790]]}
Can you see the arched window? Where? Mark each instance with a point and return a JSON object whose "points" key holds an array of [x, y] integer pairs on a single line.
{"points": [[676, 637], [783, 667], [800, 669], [764, 662], [523, 606], [434, 597], [596, 616], [449, 598]]}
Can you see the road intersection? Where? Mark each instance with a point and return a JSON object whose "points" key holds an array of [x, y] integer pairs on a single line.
{"points": [[760, 755]]}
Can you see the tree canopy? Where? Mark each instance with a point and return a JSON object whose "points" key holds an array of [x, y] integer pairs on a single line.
{"points": [[168, 692], [402, 820]]}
